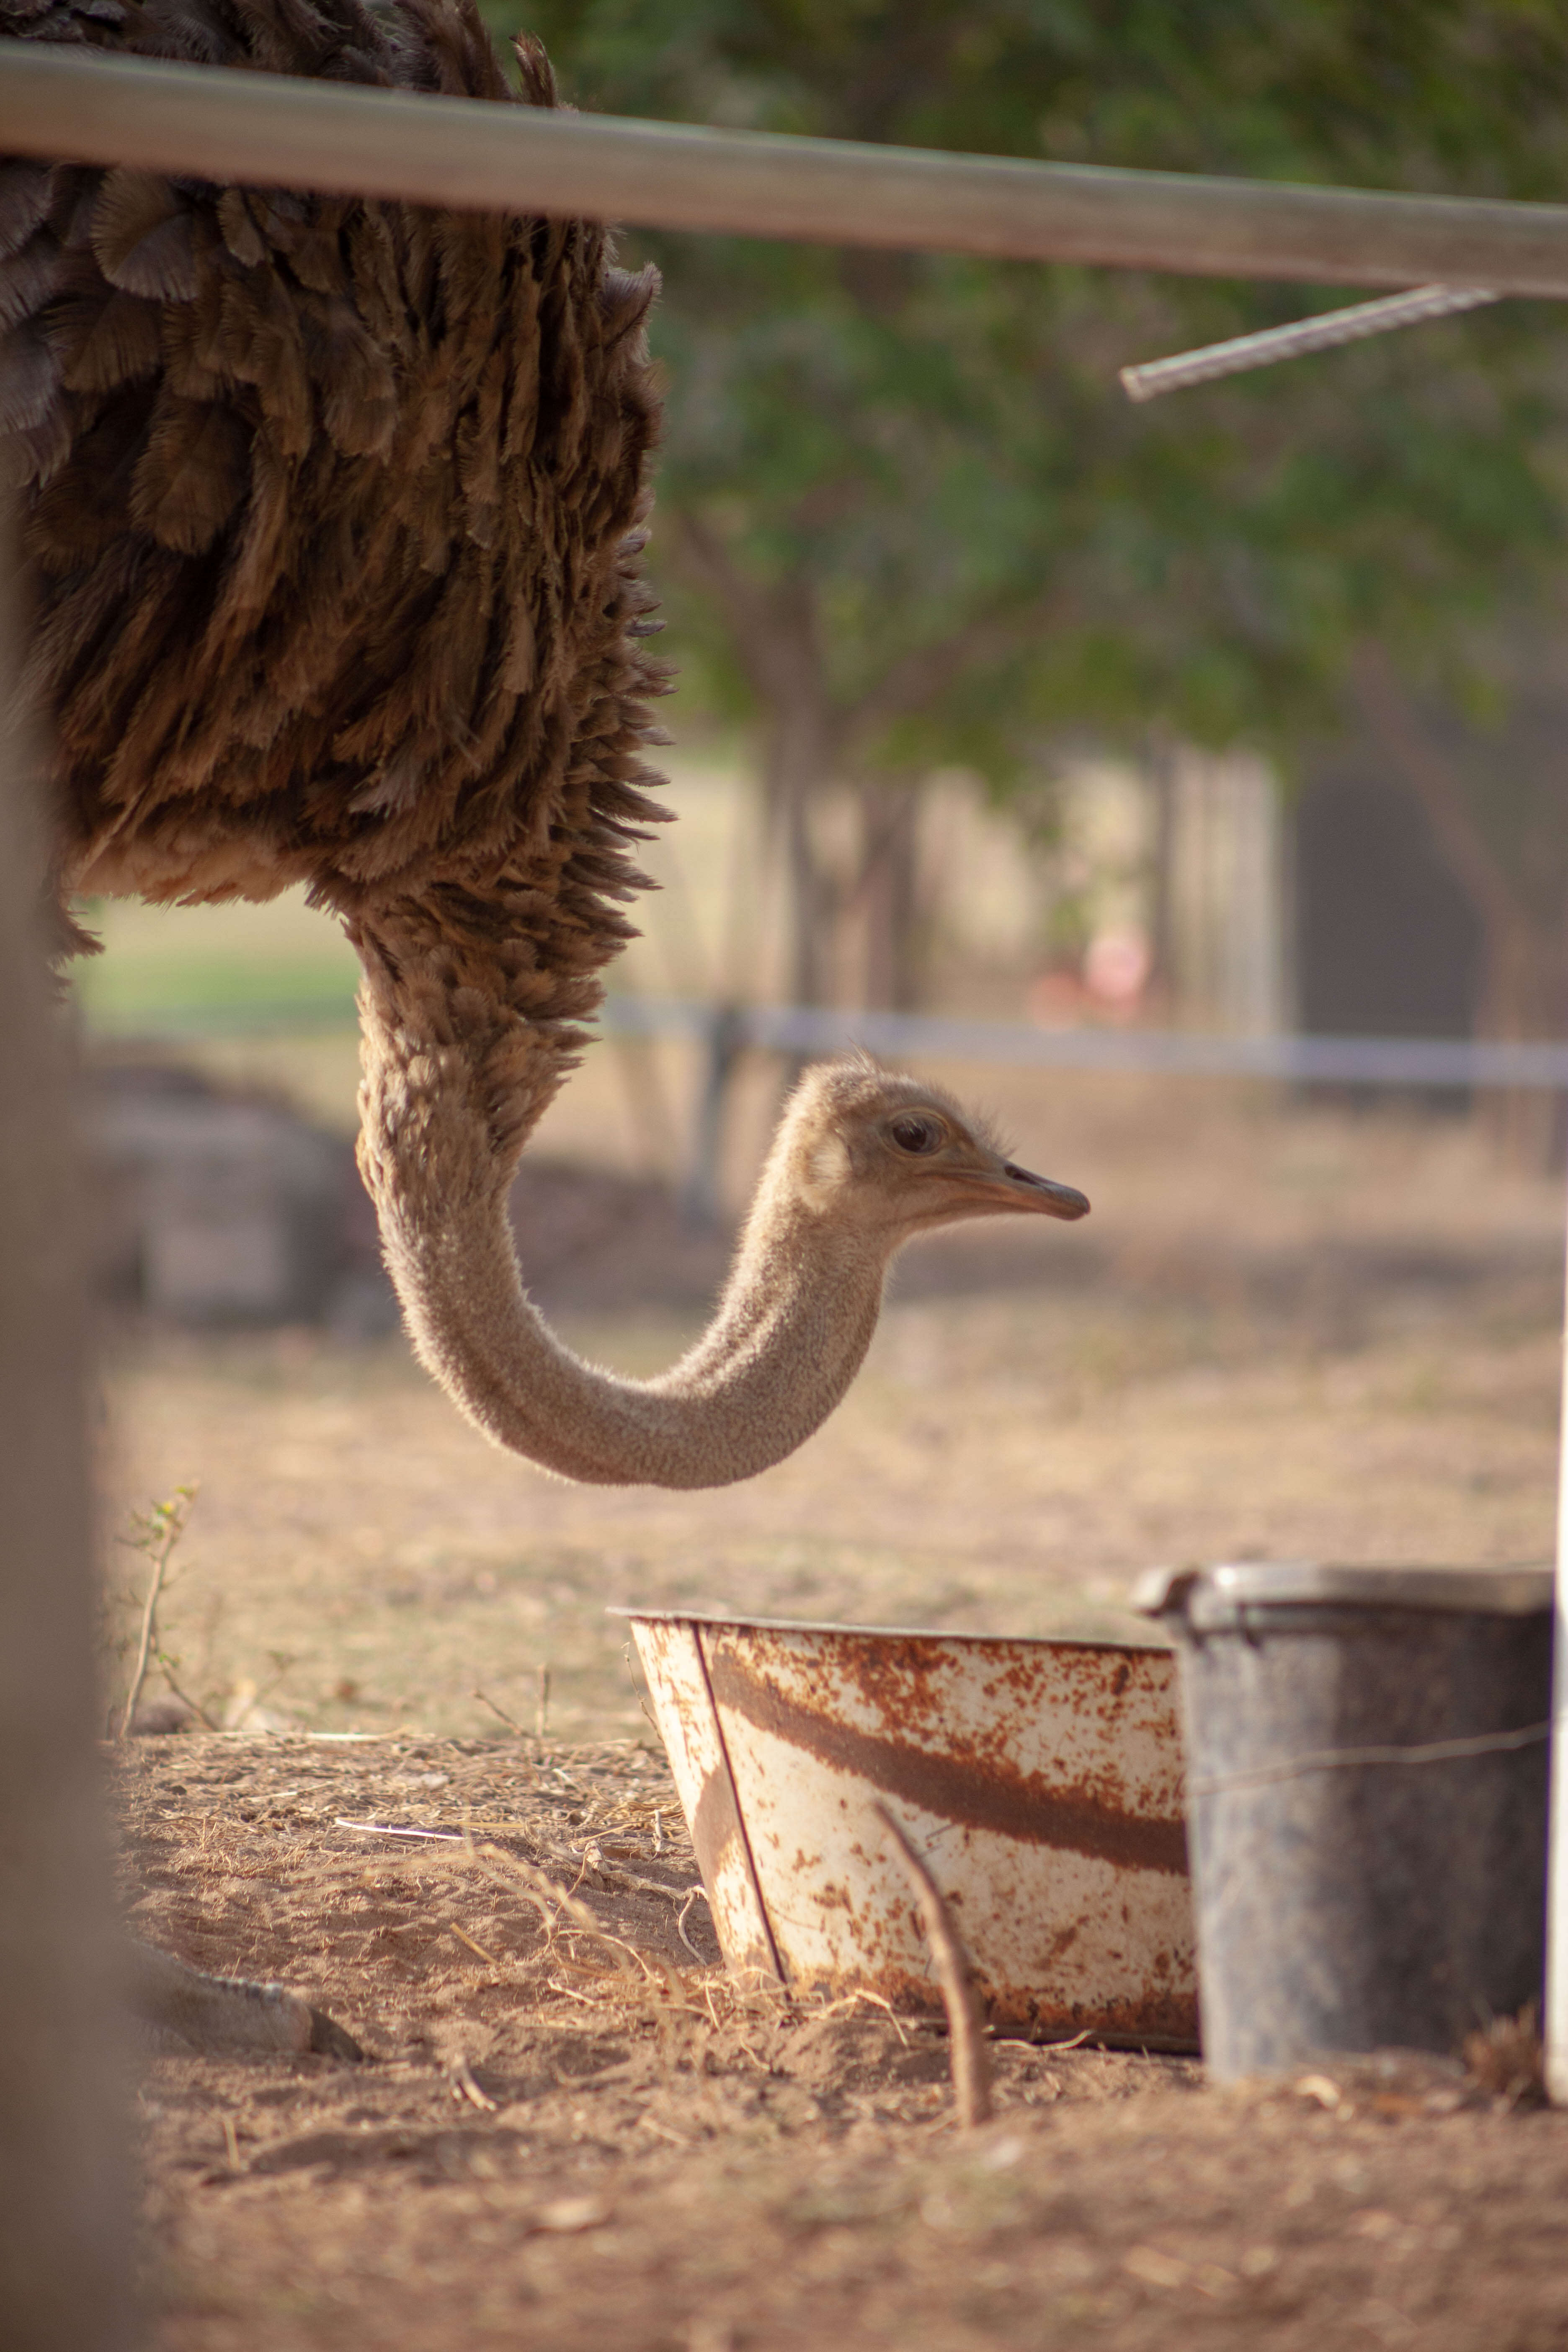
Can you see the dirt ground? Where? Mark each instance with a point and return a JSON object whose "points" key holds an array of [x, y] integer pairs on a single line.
{"points": [[1281, 1335], [572, 2131]]}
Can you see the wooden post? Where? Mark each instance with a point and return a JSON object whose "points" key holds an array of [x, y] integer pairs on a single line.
{"points": [[63, 2266], [1556, 2030], [701, 1203]]}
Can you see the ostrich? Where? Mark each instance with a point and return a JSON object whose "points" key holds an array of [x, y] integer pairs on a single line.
{"points": [[335, 511]]}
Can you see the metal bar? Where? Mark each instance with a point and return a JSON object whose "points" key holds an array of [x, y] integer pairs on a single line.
{"points": [[1150, 378], [813, 1029], [271, 130], [1415, 1061]]}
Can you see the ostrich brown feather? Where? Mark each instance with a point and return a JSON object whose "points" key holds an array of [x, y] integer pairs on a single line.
{"points": [[334, 507]]}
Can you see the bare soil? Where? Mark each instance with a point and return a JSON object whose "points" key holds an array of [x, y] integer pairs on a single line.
{"points": [[571, 2131], [1293, 1335]]}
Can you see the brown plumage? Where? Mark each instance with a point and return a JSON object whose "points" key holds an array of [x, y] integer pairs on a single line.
{"points": [[335, 510]]}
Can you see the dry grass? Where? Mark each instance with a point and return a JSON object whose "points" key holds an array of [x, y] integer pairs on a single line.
{"points": [[572, 2133]]}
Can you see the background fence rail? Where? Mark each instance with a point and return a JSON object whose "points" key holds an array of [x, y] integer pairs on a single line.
{"points": [[1418, 1061], [727, 1029]]}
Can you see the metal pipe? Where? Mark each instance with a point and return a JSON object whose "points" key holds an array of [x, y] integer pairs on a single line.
{"points": [[270, 130], [1401, 1062], [1539, 1066], [1150, 378]]}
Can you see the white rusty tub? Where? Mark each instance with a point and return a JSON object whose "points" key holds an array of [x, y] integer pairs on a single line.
{"points": [[1041, 1779]]}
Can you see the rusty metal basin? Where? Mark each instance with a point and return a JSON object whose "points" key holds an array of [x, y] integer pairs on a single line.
{"points": [[1041, 1779]]}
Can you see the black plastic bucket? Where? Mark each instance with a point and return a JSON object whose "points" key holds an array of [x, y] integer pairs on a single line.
{"points": [[1366, 1802]]}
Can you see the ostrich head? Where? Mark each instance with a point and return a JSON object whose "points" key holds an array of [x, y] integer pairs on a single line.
{"points": [[886, 1157]]}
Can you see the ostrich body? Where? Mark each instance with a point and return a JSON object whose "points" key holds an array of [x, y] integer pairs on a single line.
{"points": [[335, 509]]}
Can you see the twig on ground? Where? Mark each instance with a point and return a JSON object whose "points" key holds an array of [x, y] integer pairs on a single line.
{"points": [[691, 1894], [587, 1999], [380, 1829], [676, 2139], [574, 1916], [460, 2075], [617, 1879], [863, 1992], [955, 1975], [511, 1721], [463, 1937], [197, 1709], [540, 1884], [542, 1717]]}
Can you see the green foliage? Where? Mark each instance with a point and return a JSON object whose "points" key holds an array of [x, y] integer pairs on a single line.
{"points": [[933, 458], [1447, 94]]}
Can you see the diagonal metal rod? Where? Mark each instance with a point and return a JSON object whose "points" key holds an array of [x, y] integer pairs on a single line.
{"points": [[272, 130], [1150, 378]]}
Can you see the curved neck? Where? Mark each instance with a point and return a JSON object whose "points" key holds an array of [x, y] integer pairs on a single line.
{"points": [[443, 1121], [790, 1334]]}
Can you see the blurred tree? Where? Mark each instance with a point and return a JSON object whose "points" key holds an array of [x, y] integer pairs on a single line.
{"points": [[1490, 770], [907, 516]]}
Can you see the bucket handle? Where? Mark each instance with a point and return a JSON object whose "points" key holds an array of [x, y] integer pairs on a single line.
{"points": [[1328, 1759]]}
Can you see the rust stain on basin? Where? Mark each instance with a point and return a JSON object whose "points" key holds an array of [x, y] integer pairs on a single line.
{"points": [[983, 1794], [1042, 1781]]}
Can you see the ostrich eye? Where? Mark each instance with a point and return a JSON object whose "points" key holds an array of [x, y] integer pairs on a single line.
{"points": [[916, 1134]]}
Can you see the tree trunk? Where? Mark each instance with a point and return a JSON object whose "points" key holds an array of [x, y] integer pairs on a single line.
{"points": [[773, 630], [797, 765], [1159, 990], [1522, 997], [889, 892], [1524, 987], [64, 2284]]}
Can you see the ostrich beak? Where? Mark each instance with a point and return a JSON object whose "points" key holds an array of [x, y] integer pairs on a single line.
{"points": [[1015, 1188]]}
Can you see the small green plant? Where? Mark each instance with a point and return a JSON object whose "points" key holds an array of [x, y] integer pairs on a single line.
{"points": [[155, 1533]]}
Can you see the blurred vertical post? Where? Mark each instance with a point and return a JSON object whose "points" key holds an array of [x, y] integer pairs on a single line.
{"points": [[64, 2246], [1557, 1817], [701, 1194]]}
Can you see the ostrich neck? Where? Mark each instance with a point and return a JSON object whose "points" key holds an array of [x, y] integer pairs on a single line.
{"points": [[452, 1087], [790, 1333]]}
